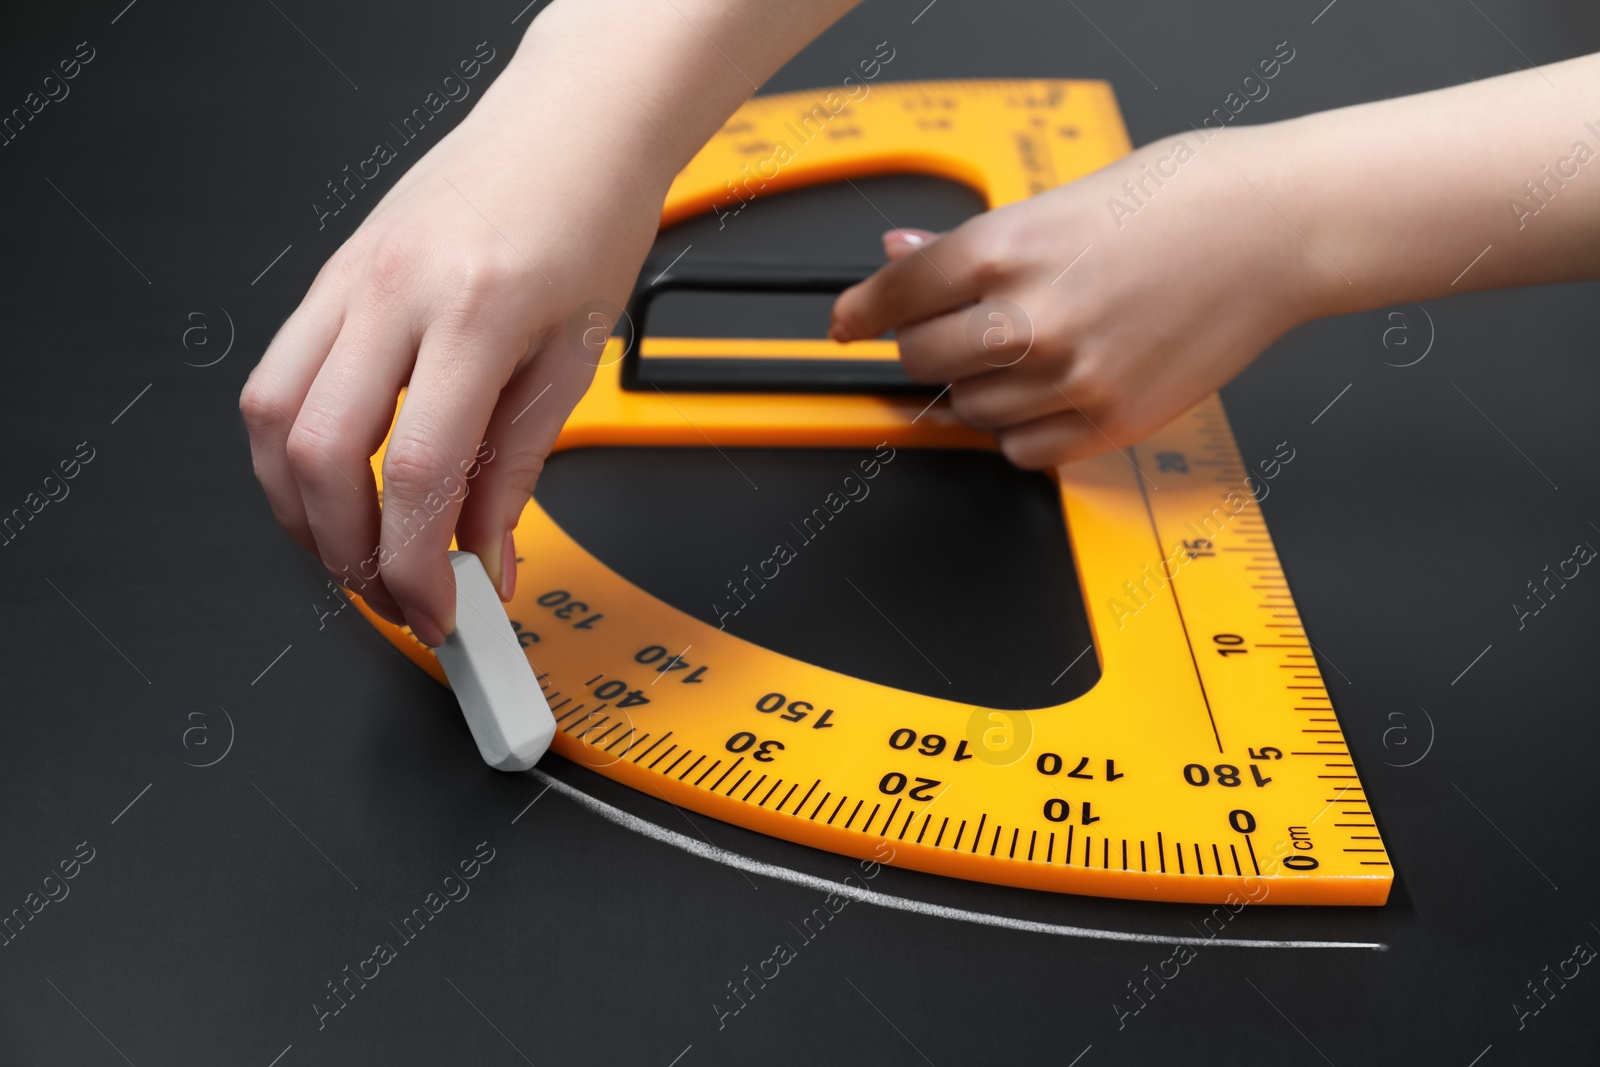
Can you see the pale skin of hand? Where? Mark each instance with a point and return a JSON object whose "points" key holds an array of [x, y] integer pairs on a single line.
{"points": [[462, 284], [1264, 228], [463, 280]]}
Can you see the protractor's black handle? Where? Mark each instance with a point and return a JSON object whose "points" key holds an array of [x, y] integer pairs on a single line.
{"points": [[758, 374], [754, 276]]}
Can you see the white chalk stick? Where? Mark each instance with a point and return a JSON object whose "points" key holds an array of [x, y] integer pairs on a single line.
{"points": [[491, 676]]}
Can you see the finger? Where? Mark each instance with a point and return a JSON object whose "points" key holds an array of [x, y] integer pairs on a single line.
{"points": [[932, 278], [431, 449], [521, 432], [341, 424], [968, 342], [903, 241], [1052, 440], [272, 396], [999, 399]]}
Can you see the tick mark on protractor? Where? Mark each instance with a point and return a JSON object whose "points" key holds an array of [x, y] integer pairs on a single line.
{"points": [[1155, 529], [1184, 750], [647, 751]]}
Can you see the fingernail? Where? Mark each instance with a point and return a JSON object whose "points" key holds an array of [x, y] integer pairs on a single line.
{"points": [[914, 238], [508, 569], [425, 629]]}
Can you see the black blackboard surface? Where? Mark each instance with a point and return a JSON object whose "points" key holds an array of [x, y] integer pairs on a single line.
{"points": [[156, 611]]}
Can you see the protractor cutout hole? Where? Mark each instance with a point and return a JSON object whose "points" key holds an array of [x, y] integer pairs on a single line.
{"points": [[832, 223], [829, 223], [948, 574]]}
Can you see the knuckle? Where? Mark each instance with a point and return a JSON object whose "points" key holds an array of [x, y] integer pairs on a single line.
{"points": [[1092, 391], [393, 259], [521, 470], [483, 280], [412, 469], [314, 449], [263, 415], [994, 251]]}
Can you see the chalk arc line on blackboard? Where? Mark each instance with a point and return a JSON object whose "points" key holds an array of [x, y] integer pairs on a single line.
{"points": [[707, 851]]}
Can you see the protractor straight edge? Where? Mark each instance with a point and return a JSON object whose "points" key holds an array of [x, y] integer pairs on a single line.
{"points": [[1206, 764]]}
